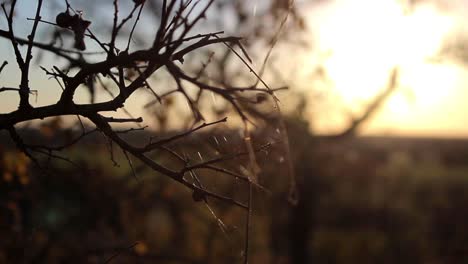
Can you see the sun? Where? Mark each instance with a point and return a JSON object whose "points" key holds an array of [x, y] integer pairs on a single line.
{"points": [[366, 39]]}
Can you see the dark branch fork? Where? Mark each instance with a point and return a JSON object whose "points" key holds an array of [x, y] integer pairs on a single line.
{"points": [[130, 70], [172, 42], [23, 63]]}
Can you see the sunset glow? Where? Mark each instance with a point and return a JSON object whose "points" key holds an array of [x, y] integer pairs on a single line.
{"points": [[365, 40]]}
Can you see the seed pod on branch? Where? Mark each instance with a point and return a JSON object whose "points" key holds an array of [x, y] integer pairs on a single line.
{"points": [[75, 23], [64, 19]]}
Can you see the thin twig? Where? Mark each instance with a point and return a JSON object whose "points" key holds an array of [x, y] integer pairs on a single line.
{"points": [[5, 63], [116, 254]]}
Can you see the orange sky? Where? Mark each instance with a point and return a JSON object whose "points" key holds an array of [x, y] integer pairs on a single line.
{"points": [[357, 42]]}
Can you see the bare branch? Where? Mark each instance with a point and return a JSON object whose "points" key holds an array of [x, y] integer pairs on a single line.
{"points": [[179, 136], [123, 120]]}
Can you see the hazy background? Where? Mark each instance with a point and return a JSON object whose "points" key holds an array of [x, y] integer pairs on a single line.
{"points": [[395, 192]]}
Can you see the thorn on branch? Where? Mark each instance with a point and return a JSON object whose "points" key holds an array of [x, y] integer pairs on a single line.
{"points": [[5, 63]]}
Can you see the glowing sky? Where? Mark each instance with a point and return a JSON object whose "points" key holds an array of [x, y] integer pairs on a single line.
{"points": [[357, 43]]}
